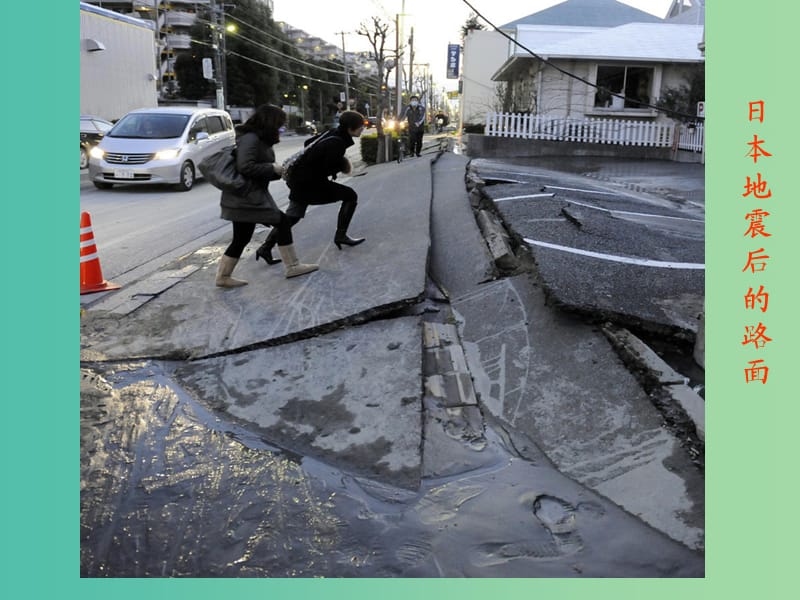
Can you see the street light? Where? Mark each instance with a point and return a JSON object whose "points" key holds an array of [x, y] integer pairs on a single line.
{"points": [[303, 89], [229, 29]]}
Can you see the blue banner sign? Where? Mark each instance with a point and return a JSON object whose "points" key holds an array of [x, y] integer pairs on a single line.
{"points": [[453, 53]]}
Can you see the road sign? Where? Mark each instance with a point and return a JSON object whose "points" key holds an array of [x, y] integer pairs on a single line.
{"points": [[208, 70]]}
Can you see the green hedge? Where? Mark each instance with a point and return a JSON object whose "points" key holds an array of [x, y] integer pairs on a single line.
{"points": [[369, 147]]}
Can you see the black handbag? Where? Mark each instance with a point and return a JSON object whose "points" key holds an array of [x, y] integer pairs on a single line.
{"points": [[219, 170]]}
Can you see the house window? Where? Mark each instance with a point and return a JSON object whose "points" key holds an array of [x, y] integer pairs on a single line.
{"points": [[635, 83]]}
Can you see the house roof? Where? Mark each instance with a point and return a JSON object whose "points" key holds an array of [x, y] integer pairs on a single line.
{"points": [[694, 15], [679, 7], [634, 42], [586, 13]]}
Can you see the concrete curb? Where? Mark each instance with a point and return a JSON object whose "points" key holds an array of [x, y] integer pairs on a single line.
{"points": [[497, 240], [638, 353], [494, 234]]}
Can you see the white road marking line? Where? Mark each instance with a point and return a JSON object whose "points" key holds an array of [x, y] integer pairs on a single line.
{"points": [[644, 262], [636, 214], [525, 196], [555, 187], [608, 210]]}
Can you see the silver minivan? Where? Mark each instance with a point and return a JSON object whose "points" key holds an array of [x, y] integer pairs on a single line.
{"points": [[159, 145]]}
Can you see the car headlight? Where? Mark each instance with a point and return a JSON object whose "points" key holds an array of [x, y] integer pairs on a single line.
{"points": [[95, 152], [167, 154]]}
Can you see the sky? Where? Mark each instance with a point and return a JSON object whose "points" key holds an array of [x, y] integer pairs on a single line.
{"points": [[436, 23]]}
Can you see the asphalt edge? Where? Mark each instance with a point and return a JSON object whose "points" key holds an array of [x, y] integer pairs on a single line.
{"points": [[682, 408]]}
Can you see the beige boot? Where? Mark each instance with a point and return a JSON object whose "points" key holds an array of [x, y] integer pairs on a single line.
{"points": [[224, 270], [291, 264]]}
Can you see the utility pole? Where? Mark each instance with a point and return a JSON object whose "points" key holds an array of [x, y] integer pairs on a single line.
{"points": [[215, 44], [399, 52], [411, 63], [346, 75]]}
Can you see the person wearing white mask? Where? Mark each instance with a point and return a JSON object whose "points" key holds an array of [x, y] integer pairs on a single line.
{"points": [[415, 115]]}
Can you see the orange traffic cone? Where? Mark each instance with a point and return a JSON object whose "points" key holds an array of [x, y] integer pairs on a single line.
{"points": [[91, 275]]}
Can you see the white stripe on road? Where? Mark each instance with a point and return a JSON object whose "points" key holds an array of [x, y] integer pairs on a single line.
{"points": [[635, 214], [555, 187], [525, 196], [608, 210], [644, 262]]}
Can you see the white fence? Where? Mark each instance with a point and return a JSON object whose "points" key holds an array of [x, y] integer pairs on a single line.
{"points": [[591, 130], [692, 138]]}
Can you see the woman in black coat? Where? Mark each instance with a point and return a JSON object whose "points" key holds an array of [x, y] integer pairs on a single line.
{"points": [[311, 184], [255, 160]]}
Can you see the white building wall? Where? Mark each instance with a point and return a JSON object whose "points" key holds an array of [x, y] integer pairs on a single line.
{"points": [[560, 96], [123, 76], [484, 53]]}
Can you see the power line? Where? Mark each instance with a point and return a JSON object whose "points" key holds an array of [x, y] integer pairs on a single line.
{"points": [[579, 78], [284, 40], [313, 65], [278, 52], [263, 64]]}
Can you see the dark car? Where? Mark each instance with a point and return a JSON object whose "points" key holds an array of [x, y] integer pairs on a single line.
{"points": [[370, 122], [92, 131], [307, 127]]}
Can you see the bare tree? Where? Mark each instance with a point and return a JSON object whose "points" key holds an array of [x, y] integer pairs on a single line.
{"points": [[377, 32]]}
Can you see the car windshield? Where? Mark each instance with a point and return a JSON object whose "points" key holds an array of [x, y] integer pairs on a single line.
{"points": [[95, 126], [149, 126]]}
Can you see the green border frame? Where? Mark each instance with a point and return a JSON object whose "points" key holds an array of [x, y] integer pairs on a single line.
{"points": [[751, 427]]}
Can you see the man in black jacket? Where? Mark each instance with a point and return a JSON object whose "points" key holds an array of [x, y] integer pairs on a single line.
{"points": [[415, 115], [312, 179]]}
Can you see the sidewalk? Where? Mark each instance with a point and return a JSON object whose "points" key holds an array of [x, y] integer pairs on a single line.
{"points": [[366, 366]]}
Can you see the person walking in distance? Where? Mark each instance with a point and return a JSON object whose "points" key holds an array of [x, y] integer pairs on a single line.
{"points": [[414, 114], [311, 181], [255, 160]]}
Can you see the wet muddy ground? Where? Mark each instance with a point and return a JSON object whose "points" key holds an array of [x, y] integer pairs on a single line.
{"points": [[170, 489]]}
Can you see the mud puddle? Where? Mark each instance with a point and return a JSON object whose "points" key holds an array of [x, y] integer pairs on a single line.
{"points": [[171, 489]]}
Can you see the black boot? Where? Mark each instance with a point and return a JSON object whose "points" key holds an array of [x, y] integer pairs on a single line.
{"points": [[265, 250], [346, 213]]}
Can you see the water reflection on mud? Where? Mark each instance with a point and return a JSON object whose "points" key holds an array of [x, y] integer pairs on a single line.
{"points": [[169, 489]]}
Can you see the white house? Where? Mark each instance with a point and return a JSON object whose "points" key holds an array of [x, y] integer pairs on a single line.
{"points": [[485, 51], [618, 72]]}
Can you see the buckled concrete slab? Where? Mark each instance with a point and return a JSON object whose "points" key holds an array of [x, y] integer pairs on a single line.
{"points": [[351, 398], [497, 241], [601, 250], [560, 381], [397, 401], [672, 383], [197, 319], [453, 434]]}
